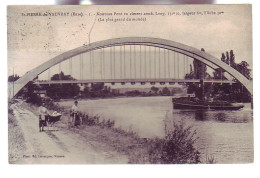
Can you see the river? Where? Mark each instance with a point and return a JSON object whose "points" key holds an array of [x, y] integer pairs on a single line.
{"points": [[226, 135]]}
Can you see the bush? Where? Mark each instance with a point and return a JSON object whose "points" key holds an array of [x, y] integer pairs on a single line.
{"points": [[34, 99], [176, 148], [50, 104], [10, 110]]}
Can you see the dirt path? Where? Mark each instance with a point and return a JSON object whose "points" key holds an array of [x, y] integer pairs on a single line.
{"points": [[59, 146]]}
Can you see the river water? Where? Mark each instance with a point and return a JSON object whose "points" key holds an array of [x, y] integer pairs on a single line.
{"points": [[226, 135]]}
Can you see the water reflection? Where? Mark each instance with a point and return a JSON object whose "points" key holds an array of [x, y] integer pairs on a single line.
{"points": [[240, 116], [200, 115], [221, 117], [227, 135]]}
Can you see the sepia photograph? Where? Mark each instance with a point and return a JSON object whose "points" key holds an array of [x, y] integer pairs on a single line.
{"points": [[130, 84]]}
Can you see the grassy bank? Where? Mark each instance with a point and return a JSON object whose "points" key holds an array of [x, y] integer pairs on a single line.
{"points": [[16, 142], [103, 134], [175, 148]]}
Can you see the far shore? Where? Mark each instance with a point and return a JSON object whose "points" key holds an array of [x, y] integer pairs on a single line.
{"points": [[116, 97]]}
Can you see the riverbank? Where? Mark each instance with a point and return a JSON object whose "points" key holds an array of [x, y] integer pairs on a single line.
{"points": [[109, 139], [102, 138], [113, 97], [56, 145]]}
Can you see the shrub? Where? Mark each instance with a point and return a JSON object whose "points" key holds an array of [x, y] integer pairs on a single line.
{"points": [[50, 104], [10, 110], [89, 120], [176, 148], [110, 123]]}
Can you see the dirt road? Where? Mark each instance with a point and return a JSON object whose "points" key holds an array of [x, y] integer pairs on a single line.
{"points": [[59, 146]]}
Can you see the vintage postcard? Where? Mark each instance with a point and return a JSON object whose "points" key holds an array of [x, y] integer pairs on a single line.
{"points": [[139, 84]]}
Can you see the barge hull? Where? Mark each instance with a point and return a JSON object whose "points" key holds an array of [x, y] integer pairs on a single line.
{"points": [[194, 106]]}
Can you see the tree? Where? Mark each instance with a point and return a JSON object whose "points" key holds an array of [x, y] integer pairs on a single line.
{"points": [[107, 91], [133, 93], [227, 58], [219, 73], [242, 67], [13, 78], [232, 59], [200, 72], [97, 86], [223, 57], [86, 91], [61, 76], [166, 91], [199, 68], [97, 90], [62, 90], [154, 89], [234, 92], [191, 74], [32, 97]]}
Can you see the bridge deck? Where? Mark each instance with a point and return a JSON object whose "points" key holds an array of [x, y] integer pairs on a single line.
{"points": [[132, 80]]}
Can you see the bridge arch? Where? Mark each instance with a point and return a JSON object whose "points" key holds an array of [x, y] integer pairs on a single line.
{"points": [[204, 57]]}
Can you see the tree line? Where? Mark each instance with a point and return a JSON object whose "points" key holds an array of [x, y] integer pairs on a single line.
{"points": [[94, 90], [220, 91]]}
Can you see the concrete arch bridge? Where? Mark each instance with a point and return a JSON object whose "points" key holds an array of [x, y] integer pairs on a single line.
{"points": [[128, 60]]}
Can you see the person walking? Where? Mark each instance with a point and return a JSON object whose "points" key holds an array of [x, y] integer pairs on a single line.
{"points": [[75, 114], [71, 119], [43, 114]]}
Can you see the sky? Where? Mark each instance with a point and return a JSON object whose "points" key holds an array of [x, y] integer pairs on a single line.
{"points": [[33, 40]]}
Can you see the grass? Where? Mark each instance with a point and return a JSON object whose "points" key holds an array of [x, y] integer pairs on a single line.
{"points": [[16, 141], [210, 159]]}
